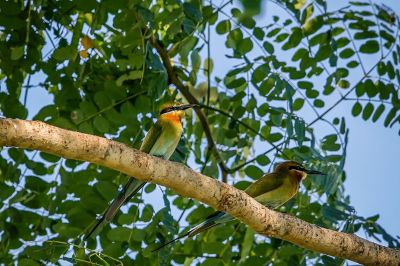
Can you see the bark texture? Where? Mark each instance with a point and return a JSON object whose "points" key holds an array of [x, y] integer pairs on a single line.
{"points": [[186, 182]]}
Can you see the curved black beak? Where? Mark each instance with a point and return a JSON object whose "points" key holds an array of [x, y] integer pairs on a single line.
{"points": [[185, 106], [314, 172]]}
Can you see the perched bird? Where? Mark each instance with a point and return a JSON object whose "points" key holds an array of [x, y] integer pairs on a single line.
{"points": [[161, 141], [272, 190]]}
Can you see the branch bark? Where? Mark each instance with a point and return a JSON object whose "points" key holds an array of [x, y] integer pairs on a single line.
{"points": [[184, 181]]}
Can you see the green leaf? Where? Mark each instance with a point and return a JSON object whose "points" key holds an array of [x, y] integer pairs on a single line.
{"points": [[102, 99], [65, 53], [347, 53], [247, 244], [5, 191], [295, 38], [342, 42], [368, 109], [332, 213], [137, 235], [357, 108], [147, 213], [341, 73], [300, 129], [242, 185], [360, 89], [212, 247], [305, 85], [253, 172], [390, 70], [12, 108], [106, 189], [36, 184], [17, 52], [208, 66], [150, 188], [274, 137], [359, 3], [312, 94], [390, 116], [369, 47], [192, 12], [365, 35], [299, 54], [234, 37], [281, 37], [28, 262], [267, 85], [268, 47], [101, 124], [260, 73], [119, 234], [259, 33], [353, 64], [344, 84], [65, 230], [370, 88], [312, 25], [245, 46], [323, 52], [381, 68], [236, 83], [263, 160], [378, 112], [263, 109], [298, 104], [329, 143], [132, 75], [223, 26], [319, 103], [49, 157]]}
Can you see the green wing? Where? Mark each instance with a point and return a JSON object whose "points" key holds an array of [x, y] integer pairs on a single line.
{"points": [[263, 185], [151, 137]]}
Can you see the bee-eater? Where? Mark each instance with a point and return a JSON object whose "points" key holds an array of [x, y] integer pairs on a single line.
{"points": [[272, 190], [161, 141]]}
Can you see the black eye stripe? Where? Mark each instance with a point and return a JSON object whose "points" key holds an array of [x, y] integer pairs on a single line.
{"points": [[167, 110], [297, 167]]}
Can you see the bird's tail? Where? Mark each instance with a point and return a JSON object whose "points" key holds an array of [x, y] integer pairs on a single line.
{"points": [[128, 191], [170, 242], [211, 221]]}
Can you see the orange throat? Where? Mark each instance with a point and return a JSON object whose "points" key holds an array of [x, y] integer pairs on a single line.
{"points": [[172, 117]]}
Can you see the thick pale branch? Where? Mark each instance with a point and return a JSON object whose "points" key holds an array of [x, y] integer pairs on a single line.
{"points": [[186, 182]]}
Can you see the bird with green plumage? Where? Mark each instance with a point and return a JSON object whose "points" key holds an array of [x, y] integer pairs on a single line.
{"points": [[161, 141], [272, 190]]}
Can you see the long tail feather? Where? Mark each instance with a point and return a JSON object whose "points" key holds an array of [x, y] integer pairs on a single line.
{"points": [[210, 222], [129, 190], [170, 242]]}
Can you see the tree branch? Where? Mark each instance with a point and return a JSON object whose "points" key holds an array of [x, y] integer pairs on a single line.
{"points": [[191, 99], [186, 182]]}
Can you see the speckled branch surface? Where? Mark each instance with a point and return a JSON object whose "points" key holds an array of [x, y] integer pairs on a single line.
{"points": [[186, 182]]}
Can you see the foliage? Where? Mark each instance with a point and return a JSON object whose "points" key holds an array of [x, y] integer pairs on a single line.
{"points": [[282, 78]]}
